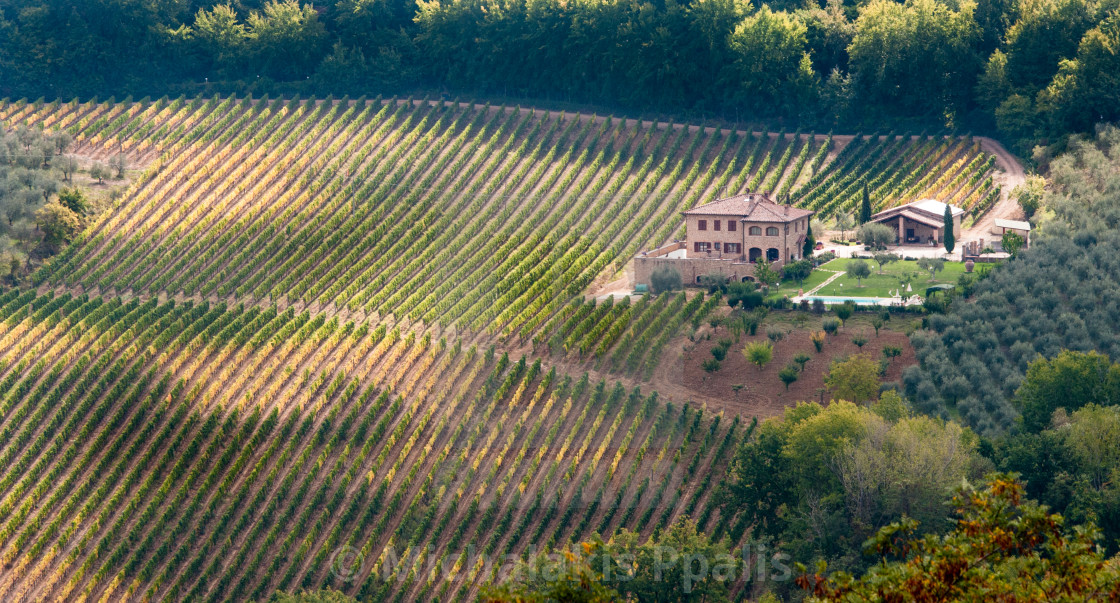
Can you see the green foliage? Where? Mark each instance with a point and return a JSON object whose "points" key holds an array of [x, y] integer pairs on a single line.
{"points": [[798, 271], [891, 406], [876, 236], [1000, 542], [318, 596], [770, 62], [932, 265], [1030, 194], [74, 200], [758, 353], [789, 373], [819, 480], [860, 340], [830, 326], [801, 358], [1068, 381], [855, 379], [877, 323], [713, 282], [663, 279], [948, 237], [679, 563], [58, 222], [710, 365], [1012, 243], [894, 42], [845, 310], [865, 210], [775, 333], [807, 248], [859, 270], [571, 575], [766, 275]]}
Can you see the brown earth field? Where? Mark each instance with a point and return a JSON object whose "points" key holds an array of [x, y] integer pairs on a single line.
{"points": [[763, 393]]}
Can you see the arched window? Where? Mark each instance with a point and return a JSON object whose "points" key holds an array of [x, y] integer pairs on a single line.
{"points": [[755, 231], [754, 254], [772, 231], [773, 254]]}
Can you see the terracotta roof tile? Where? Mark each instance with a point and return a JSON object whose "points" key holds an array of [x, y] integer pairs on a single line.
{"points": [[750, 207]]}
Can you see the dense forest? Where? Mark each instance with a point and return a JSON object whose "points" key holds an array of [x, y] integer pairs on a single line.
{"points": [[1030, 70]]}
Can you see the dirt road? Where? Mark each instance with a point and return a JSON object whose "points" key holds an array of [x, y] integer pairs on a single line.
{"points": [[1009, 174]]}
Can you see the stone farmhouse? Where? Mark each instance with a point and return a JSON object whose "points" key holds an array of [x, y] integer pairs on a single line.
{"points": [[728, 237], [920, 222]]}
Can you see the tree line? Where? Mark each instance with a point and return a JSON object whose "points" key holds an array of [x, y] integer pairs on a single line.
{"points": [[1030, 69]]}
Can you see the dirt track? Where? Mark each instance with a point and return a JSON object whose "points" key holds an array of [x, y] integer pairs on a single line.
{"points": [[1009, 174]]}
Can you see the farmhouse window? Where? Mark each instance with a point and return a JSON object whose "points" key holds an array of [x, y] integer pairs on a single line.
{"points": [[715, 224], [731, 226], [702, 225], [772, 231], [733, 248], [755, 231], [701, 247]]}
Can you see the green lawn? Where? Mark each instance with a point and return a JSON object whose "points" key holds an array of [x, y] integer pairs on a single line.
{"points": [[789, 288], [895, 276]]}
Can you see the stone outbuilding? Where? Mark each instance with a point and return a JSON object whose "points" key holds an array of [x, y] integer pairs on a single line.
{"points": [[921, 222]]}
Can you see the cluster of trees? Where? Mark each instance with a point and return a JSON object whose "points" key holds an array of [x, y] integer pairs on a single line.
{"points": [[997, 540], [1063, 293], [37, 212], [819, 481], [1034, 68], [1001, 544], [679, 563]]}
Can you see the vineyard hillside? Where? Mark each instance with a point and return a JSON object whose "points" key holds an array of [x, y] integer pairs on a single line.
{"points": [[302, 348]]}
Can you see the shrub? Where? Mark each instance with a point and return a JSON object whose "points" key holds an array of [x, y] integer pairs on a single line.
{"points": [[710, 365], [860, 340], [664, 278], [892, 351], [788, 374], [798, 271], [751, 300], [817, 337], [759, 353], [877, 323], [855, 379], [713, 282], [830, 325], [801, 358], [775, 333], [844, 311], [818, 307]]}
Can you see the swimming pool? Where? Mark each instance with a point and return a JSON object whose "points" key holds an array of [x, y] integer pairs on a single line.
{"points": [[861, 301]]}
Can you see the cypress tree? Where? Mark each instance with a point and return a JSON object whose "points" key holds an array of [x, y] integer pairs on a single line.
{"points": [[948, 236], [865, 209], [810, 242]]}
